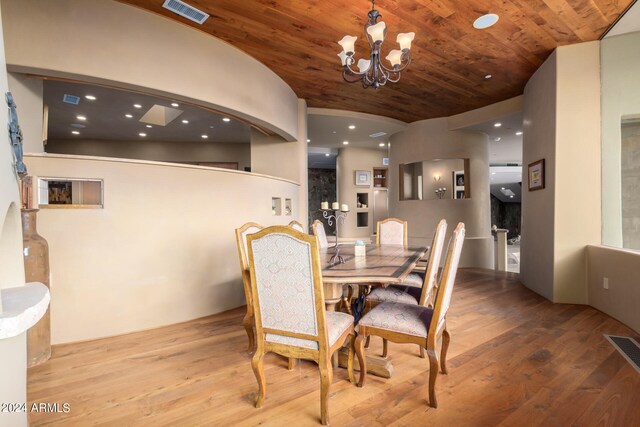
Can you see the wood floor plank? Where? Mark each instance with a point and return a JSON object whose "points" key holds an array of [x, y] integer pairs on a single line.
{"points": [[515, 359]]}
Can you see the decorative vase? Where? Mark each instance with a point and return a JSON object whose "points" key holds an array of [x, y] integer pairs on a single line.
{"points": [[36, 269]]}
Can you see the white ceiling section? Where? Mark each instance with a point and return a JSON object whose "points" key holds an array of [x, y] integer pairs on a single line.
{"points": [[105, 117], [505, 147], [628, 23]]}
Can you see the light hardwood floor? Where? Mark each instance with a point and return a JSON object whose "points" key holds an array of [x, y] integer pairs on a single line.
{"points": [[515, 360]]}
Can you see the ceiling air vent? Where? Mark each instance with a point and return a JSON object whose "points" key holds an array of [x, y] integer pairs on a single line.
{"points": [[71, 99], [377, 134], [183, 9]]}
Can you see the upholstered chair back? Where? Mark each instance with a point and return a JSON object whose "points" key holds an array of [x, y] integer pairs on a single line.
{"points": [[286, 282], [241, 240], [443, 298], [431, 274], [297, 226], [392, 231], [318, 231]]}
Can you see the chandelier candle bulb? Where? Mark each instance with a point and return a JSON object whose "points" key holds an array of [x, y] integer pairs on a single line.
{"points": [[335, 206], [394, 57], [405, 39], [344, 208], [324, 205], [363, 65], [348, 44], [343, 57], [377, 32]]}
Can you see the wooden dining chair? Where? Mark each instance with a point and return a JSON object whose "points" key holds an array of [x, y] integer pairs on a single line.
{"points": [[417, 324], [319, 232], [288, 302], [241, 242], [391, 231], [409, 294], [297, 226]]}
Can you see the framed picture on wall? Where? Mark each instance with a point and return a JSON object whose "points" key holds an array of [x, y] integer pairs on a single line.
{"points": [[363, 178], [536, 175]]}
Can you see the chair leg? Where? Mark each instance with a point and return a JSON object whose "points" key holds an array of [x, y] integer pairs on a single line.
{"points": [[326, 376], [257, 363], [366, 344], [359, 347], [433, 373], [292, 363], [385, 347], [422, 352], [446, 338], [247, 321], [352, 340]]}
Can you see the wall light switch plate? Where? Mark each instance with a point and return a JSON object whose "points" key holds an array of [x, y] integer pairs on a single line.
{"points": [[605, 283]]}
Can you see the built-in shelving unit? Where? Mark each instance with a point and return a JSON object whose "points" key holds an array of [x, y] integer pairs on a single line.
{"points": [[276, 206], [362, 219], [380, 179]]}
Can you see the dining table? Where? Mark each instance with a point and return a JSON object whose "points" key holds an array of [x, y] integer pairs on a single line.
{"points": [[381, 265]]}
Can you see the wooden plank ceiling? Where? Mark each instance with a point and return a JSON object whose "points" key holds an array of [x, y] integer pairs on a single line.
{"points": [[297, 40]]}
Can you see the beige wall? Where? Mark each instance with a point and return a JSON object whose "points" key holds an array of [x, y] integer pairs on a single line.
{"points": [[577, 174], [271, 155], [148, 53], [13, 357], [620, 97], [622, 268], [161, 251], [161, 151], [432, 139], [562, 126], [348, 161]]}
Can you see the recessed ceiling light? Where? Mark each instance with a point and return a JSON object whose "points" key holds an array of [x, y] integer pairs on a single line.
{"points": [[142, 134], [502, 188], [327, 155], [128, 116], [485, 21], [90, 97], [75, 132], [497, 125], [345, 142], [149, 126], [382, 144], [226, 119], [511, 197], [497, 139], [204, 136], [493, 173], [185, 121], [175, 104], [211, 127], [488, 76], [308, 140], [137, 106], [333, 131], [352, 127], [81, 118], [519, 133]]}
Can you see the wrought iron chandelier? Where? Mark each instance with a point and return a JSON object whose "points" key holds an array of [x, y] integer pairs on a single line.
{"points": [[371, 72]]}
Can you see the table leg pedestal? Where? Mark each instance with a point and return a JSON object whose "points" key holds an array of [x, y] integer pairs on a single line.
{"points": [[376, 365]]}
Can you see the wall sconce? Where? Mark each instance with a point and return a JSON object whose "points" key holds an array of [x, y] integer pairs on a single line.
{"points": [[436, 177], [440, 192]]}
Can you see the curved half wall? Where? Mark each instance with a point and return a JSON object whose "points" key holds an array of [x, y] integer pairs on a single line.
{"points": [[109, 43], [161, 251]]}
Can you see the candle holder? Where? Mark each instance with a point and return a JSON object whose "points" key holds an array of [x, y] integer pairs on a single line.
{"points": [[338, 216]]}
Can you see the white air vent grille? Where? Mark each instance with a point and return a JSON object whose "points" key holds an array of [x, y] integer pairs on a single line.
{"points": [[183, 9], [377, 134]]}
